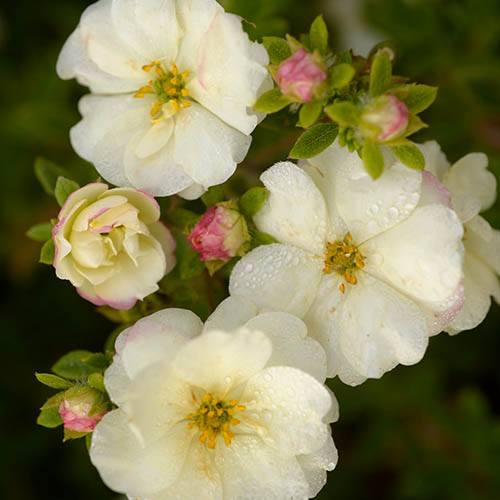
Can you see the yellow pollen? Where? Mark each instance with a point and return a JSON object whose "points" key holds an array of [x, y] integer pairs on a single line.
{"points": [[344, 258], [169, 86], [214, 417]]}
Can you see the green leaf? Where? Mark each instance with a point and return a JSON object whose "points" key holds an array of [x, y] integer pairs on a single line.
{"points": [[414, 125], [260, 238], [271, 101], [80, 364], [277, 48], [380, 74], [341, 75], [69, 434], [47, 253], [49, 418], [96, 380], [314, 140], [53, 381], [309, 113], [253, 200], [40, 232], [182, 218], [188, 260], [88, 440], [47, 173], [345, 113], [214, 195], [54, 401], [318, 35], [64, 187], [372, 159], [416, 97], [409, 155]]}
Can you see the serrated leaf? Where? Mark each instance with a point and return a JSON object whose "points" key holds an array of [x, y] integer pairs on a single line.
{"points": [[47, 173], [64, 187], [345, 113], [40, 232], [271, 101], [410, 156], [80, 364], [373, 159], [53, 381], [49, 418], [416, 97], [253, 200], [314, 140], [214, 195], [341, 75], [277, 48], [47, 253], [309, 113], [318, 35], [380, 73]]}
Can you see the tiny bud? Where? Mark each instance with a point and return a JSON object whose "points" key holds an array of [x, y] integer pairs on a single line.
{"points": [[76, 408], [385, 119], [300, 75], [219, 234]]}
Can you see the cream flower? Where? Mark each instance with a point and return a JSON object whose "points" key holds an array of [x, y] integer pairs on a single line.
{"points": [[216, 415], [374, 267], [473, 189], [111, 245], [172, 85]]}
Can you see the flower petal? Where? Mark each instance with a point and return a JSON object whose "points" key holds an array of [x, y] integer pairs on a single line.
{"points": [[230, 314], [277, 277], [295, 211]]}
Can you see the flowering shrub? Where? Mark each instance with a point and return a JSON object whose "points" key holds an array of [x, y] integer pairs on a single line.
{"points": [[343, 264]]}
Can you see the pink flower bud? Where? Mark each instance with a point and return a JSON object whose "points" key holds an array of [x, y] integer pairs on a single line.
{"points": [[299, 76], [75, 411], [385, 119], [219, 234]]}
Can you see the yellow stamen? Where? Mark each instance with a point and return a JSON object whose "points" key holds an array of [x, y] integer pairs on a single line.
{"points": [[344, 258]]}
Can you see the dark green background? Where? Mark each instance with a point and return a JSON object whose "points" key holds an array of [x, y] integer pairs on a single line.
{"points": [[431, 431]]}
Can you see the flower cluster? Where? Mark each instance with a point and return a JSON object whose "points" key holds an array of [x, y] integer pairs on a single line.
{"points": [[344, 264]]}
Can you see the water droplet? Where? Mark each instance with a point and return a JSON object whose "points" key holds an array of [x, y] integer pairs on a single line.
{"points": [[248, 268], [393, 212]]}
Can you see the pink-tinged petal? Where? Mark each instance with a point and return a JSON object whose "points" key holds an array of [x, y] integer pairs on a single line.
{"points": [[433, 191], [75, 412], [93, 298], [149, 209], [88, 192], [439, 321]]}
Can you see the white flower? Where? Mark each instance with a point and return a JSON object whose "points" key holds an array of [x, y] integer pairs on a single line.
{"points": [[172, 85], [374, 267], [473, 189], [111, 245], [216, 415]]}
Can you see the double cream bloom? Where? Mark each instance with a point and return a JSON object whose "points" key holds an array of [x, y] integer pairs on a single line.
{"points": [[373, 266], [173, 83], [235, 410]]}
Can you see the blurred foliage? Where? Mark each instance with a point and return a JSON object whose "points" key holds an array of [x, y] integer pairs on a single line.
{"points": [[423, 432]]}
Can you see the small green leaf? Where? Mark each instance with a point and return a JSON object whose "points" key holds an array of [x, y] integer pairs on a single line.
{"points": [[380, 74], [80, 364], [69, 434], [47, 253], [96, 380], [53, 381], [345, 113], [188, 260], [341, 75], [64, 187], [49, 418], [54, 401], [414, 125], [253, 200], [318, 35], [47, 173], [40, 232], [214, 195], [372, 159], [309, 113], [409, 155], [416, 97], [88, 440], [183, 219], [314, 140], [277, 48], [271, 101], [260, 238]]}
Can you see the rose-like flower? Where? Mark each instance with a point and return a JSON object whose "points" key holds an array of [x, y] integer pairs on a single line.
{"points": [[219, 234], [300, 75], [374, 266], [473, 189], [173, 84], [216, 415], [384, 119], [111, 245], [81, 409]]}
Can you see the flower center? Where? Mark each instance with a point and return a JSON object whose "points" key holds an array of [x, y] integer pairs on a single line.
{"points": [[213, 417], [344, 258], [169, 86]]}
